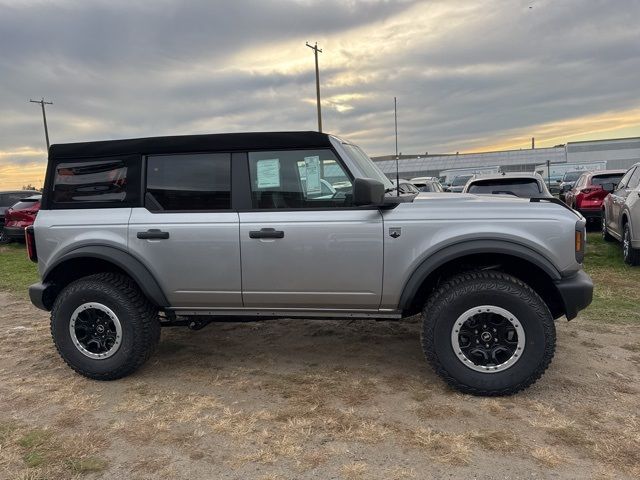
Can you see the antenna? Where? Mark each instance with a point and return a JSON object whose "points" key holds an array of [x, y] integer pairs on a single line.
{"points": [[395, 117]]}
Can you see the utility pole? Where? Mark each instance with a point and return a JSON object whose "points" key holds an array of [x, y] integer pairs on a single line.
{"points": [[44, 118], [315, 52], [395, 119], [533, 143]]}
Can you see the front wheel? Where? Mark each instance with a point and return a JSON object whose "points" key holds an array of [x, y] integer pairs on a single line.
{"points": [[630, 255], [4, 239], [488, 333], [104, 327]]}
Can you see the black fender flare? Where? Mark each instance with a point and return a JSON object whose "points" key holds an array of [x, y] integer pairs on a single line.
{"points": [[121, 259], [471, 247]]}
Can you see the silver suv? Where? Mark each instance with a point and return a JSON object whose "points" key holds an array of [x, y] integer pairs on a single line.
{"points": [[137, 234], [621, 215]]}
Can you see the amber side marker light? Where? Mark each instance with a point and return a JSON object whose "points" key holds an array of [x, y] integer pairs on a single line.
{"points": [[579, 245]]}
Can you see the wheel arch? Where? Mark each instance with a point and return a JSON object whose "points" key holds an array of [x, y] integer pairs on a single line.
{"points": [[520, 261], [88, 260]]}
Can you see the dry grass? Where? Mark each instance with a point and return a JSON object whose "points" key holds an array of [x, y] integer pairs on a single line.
{"points": [[450, 448], [549, 457], [354, 471]]}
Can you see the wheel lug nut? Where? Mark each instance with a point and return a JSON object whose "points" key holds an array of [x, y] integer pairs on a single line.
{"points": [[477, 341], [487, 345]]}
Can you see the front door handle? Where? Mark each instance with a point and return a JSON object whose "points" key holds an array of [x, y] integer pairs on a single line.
{"points": [[266, 233], [153, 234]]}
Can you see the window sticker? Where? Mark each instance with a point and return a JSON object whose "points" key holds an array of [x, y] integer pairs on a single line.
{"points": [[312, 167], [268, 173]]}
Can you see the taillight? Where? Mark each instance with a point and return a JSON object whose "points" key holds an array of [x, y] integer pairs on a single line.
{"points": [[30, 240]]}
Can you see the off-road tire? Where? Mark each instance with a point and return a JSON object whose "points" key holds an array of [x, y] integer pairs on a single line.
{"points": [[138, 318], [4, 239], [606, 236], [468, 290], [630, 255]]}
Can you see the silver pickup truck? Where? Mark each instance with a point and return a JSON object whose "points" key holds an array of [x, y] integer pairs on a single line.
{"points": [[137, 234]]}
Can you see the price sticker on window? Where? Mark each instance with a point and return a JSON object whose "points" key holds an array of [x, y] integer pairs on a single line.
{"points": [[312, 167], [268, 173]]}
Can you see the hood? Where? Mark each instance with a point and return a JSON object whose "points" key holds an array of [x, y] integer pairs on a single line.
{"points": [[460, 198]]}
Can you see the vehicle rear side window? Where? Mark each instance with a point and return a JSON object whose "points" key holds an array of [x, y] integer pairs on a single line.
{"points": [[189, 182], [520, 187], [96, 182], [634, 180]]}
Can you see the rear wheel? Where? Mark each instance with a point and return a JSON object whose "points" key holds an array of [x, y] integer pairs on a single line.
{"points": [[488, 333], [4, 239], [606, 236], [631, 255], [104, 327]]}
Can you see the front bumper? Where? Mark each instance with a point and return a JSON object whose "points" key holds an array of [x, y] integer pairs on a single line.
{"points": [[14, 233], [576, 293]]}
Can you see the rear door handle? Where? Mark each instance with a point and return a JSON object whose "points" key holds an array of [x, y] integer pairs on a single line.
{"points": [[266, 233], [153, 234]]}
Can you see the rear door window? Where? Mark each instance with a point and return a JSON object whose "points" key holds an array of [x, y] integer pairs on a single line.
{"points": [[94, 183], [189, 182]]}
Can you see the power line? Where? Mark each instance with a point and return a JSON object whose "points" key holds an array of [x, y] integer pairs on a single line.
{"points": [[44, 118], [315, 53]]}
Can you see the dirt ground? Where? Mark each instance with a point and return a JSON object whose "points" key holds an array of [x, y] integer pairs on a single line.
{"points": [[312, 399]]}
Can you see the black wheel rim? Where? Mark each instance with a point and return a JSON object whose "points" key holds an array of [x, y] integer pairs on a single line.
{"points": [[95, 330], [488, 339]]}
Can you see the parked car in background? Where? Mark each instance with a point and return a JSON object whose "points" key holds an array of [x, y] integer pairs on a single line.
{"points": [[568, 181], [526, 185], [447, 177], [621, 215], [458, 183], [8, 199], [430, 186], [589, 191], [406, 187], [18, 217]]}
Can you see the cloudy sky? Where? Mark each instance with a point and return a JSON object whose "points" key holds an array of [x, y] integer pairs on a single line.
{"points": [[469, 74]]}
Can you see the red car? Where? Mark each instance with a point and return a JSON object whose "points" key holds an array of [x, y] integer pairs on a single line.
{"points": [[18, 217], [589, 191]]}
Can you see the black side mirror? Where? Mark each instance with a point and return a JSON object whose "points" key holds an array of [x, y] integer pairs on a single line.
{"points": [[609, 187], [566, 188], [367, 191]]}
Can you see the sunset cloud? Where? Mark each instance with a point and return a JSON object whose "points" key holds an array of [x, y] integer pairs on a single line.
{"points": [[468, 74]]}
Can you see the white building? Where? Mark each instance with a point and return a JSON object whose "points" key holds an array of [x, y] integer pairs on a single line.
{"points": [[618, 153]]}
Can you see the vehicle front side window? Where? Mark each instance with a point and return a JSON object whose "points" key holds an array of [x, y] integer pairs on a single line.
{"points": [[634, 180], [298, 179], [189, 182], [107, 181], [625, 180]]}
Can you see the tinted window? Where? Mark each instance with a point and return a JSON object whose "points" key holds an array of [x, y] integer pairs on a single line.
{"points": [[571, 176], [634, 181], [460, 180], [298, 179], [602, 179], [189, 182], [522, 187], [625, 178], [112, 182], [8, 199]]}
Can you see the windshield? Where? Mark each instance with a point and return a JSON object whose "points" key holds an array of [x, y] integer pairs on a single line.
{"points": [[460, 180], [571, 176], [521, 187], [368, 167]]}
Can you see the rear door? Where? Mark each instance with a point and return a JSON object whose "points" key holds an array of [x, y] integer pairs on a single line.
{"points": [[186, 233], [303, 248]]}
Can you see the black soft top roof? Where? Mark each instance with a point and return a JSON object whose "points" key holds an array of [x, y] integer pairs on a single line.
{"points": [[226, 142]]}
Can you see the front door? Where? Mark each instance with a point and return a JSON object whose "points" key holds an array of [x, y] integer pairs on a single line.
{"points": [[187, 234], [303, 244]]}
